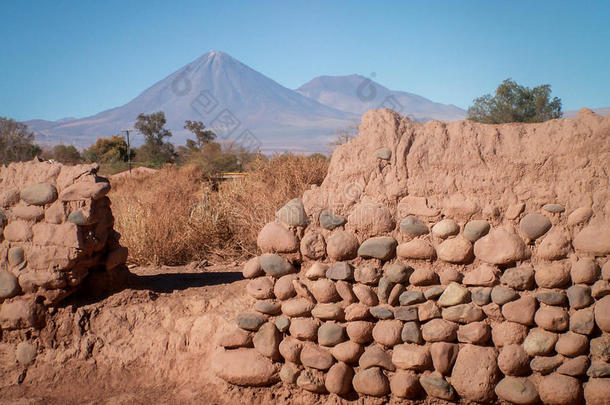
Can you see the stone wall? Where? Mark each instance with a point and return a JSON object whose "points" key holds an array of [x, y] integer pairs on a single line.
{"points": [[451, 295], [56, 233]]}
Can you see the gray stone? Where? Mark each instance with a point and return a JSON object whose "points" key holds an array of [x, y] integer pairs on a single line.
{"points": [[481, 295], [384, 289], [16, 256], [282, 323], [406, 313], [275, 265], [411, 297], [26, 353], [340, 271], [501, 295], [380, 247], [330, 221], [3, 219], [534, 225], [554, 208], [397, 273], [381, 312], [434, 292], [39, 194], [267, 307], [454, 294], [383, 153], [330, 334], [411, 333], [519, 278], [446, 228], [579, 296], [436, 386], [411, 225], [552, 298], [9, 285], [293, 213], [78, 218], [250, 320], [520, 391], [475, 230]]}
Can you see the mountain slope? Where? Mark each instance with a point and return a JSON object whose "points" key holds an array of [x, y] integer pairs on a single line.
{"points": [[227, 96], [358, 94], [600, 111]]}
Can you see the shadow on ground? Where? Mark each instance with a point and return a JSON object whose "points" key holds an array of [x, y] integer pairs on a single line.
{"points": [[170, 282]]}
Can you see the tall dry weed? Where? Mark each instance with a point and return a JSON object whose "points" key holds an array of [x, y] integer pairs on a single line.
{"points": [[175, 216]]}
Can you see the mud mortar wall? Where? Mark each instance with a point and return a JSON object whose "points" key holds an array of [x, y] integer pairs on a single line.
{"points": [[56, 231], [439, 278]]}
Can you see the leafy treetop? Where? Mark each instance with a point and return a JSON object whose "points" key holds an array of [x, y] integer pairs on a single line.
{"points": [[515, 103]]}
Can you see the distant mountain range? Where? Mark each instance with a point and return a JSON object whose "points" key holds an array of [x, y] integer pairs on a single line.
{"points": [[242, 105]]}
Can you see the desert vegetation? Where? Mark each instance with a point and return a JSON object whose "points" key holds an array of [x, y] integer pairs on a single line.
{"points": [[513, 102], [179, 215]]}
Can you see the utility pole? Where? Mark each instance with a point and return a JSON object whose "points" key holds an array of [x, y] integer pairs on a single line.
{"points": [[128, 146]]}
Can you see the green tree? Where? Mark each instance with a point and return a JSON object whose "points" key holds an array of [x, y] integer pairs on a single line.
{"points": [[64, 154], [16, 142], [108, 150], [515, 103], [202, 135], [156, 149]]}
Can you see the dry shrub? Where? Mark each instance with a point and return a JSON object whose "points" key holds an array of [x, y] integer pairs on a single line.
{"points": [[175, 216]]}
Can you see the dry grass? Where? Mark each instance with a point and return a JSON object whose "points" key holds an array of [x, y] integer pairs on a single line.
{"points": [[175, 216]]}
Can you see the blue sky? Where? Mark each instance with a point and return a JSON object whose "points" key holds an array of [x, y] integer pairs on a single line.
{"points": [[76, 58]]}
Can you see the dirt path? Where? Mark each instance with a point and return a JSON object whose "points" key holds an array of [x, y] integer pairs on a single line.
{"points": [[149, 343]]}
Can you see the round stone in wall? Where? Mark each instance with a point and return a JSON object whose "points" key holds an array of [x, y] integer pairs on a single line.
{"points": [[275, 265], [293, 213], [9, 285], [476, 229], [554, 208], [39, 194], [383, 153], [380, 247], [520, 391], [413, 226], [445, 228], [330, 221], [534, 225], [342, 245]]}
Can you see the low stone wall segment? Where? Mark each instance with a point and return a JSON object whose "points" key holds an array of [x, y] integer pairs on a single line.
{"points": [[424, 266]]}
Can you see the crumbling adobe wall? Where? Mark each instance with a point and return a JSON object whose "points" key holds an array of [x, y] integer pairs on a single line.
{"points": [[56, 231], [449, 261]]}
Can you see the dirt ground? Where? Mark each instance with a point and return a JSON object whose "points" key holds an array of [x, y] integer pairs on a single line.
{"points": [[149, 343]]}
